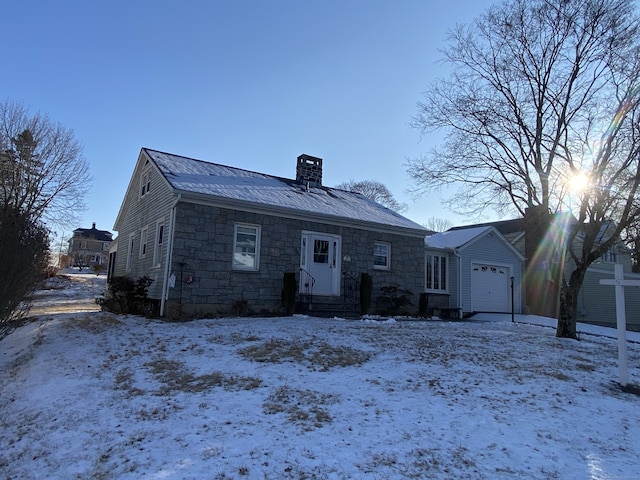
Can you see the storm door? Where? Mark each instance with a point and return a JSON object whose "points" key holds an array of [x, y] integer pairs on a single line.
{"points": [[320, 258]]}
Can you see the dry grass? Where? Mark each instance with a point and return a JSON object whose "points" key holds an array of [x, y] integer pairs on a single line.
{"points": [[303, 407], [315, 355], [175, 376]]}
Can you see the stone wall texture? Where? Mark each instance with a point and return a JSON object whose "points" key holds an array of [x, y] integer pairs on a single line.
{"points": [[207, 285]]}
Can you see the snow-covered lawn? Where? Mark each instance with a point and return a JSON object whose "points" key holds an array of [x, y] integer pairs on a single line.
{"points": [[95, 395]]}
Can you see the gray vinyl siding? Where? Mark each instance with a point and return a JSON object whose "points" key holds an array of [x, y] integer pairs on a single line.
{"points": [[138, 214], [597, 303], [203, 250], [491, 250]]}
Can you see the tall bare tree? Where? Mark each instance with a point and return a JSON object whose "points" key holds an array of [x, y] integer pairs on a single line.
{"points": [[43, 172], [438, 224], [375, 191], [539, 91], [43, 179]]}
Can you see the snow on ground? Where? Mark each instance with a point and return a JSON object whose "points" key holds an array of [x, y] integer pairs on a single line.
{"points": [[94, 395]]}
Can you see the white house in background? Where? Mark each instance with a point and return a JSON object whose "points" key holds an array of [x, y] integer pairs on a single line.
{"points": [[472, 270]]}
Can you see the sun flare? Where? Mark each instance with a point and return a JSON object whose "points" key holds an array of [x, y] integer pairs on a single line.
{"points": [[579, 182]]}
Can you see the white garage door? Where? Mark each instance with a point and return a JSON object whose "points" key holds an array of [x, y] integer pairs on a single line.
{"points": [[490, 288]]}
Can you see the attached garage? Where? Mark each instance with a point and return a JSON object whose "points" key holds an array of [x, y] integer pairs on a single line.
{"points": [[480, 265], [490, 288]]}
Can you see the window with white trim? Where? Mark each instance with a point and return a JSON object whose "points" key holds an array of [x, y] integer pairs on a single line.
{"points": [[157, 248], [143, 242], [130, 252], [145, 183], [246, 247], [381, 255], [436, 273]]}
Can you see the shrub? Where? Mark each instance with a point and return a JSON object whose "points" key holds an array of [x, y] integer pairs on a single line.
{"points": [[423, 304], [395, 298], [289, 290], [124, 295], [24, 256], [366, 289]]}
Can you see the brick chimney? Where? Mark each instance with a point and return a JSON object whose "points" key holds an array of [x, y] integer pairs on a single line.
{"points": [[309, 170]]}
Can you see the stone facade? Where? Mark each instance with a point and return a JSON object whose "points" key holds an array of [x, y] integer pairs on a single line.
{"points": [[206, 284]]}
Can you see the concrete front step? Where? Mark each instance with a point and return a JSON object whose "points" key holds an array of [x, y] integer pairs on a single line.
{"points": [[328, 307]]}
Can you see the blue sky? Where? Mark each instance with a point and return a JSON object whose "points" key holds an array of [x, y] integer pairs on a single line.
{"points": [[251, 84]]}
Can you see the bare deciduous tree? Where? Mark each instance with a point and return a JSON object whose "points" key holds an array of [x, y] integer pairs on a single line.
{"points": [[375, 191], [43, 178], [42, 168], [436, 224], [541, 90]]}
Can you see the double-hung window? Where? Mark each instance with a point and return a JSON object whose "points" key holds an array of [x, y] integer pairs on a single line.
{"points": [[381, 255], [436, 273], [143, 242], [130, 252], [145, 183], [246, 247], [157, 249]]}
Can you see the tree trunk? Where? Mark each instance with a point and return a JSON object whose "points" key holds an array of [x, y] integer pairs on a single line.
{"points": [[568, 312], [542, 263], [569, 304]]}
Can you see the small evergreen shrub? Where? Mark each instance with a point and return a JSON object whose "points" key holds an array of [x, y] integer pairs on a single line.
{"points": [[289, 289], [395, 298], [366, 290], [423, 304], [126, 296]]}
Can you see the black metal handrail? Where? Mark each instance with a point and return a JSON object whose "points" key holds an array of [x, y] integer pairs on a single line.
{"points": [[306, 285], [350, 288]]}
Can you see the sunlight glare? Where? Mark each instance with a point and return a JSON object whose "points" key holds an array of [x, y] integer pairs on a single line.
{"points": [[579, 182]]}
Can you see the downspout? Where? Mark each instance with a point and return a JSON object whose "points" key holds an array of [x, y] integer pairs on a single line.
{"points": [[167, 268], [459, 293]]}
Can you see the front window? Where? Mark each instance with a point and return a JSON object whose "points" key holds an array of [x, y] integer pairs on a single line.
{"points": [[381, 255], [436, 273], [246, 247]]}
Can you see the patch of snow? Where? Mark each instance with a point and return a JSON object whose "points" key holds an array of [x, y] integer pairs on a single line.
{"points": [[90, 394]]}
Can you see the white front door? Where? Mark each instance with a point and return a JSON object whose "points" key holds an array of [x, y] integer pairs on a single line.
{"points": [[320, 257]]}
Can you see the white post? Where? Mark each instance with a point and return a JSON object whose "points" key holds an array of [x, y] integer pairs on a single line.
{"points": [[621, 315]]}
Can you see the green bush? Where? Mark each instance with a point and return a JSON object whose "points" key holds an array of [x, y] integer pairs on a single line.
{"points": [[289, 289], [366, 289], [423, 304], [395, 298], [24, 255], [126, 296]]}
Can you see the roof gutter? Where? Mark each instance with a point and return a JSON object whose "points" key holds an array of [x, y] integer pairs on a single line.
{"points": [[167, 267]]}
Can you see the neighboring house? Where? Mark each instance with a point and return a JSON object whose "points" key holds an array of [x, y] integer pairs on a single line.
{"points": [[217, 239], [472, 270], [596, 303], [89, 247]]}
